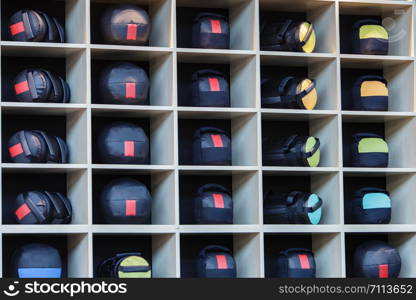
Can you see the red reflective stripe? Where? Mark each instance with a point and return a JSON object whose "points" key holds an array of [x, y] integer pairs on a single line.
{"points": [[214, 84], [17, 28], [130, 90], [131, 32], [130, 208], [383, 271], [216, 139], [15, 150], [304, 261], [22, 211], [218, 200], [129, 148], [216, 26], [21, 87], [221, 262]]}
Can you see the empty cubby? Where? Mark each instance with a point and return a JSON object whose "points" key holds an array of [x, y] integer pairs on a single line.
{"points": [[399, 76], [326, 248], [243, 187], [395, 131], [70, 14], [400, 186], [325, 185], [404, 242], [240, 15], [73, 249], [158, 128], [159, 11], [70, 64], [325, 128], [73, 184], [70, 127], [160, 185], [322, 14], [245, 248], [239, 128], [157, 65], [396, 19], [239, 71], [157, 249], [321, 70]]}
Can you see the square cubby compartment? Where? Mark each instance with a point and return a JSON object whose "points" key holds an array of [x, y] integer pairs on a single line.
{"points": [[322, 70], [325, 185], [159, 183], [280, 127], [73, 184], [159, 250], [70, 127], [404, 242], [157, 65], [396, 131], [401, 188], [245, 248], [158, 129], [241, 128], [322, 14], [70, 64], [72, 248], [243, 188], [71, 14], [238, 70], [240, 15], [326, 247], [398, 74], [159, 11], [395, 18]]}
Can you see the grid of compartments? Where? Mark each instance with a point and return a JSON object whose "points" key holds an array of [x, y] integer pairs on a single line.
{"points": [[171, 242]]}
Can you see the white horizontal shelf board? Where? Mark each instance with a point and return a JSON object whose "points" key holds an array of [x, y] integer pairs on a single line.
{"points": [[381, 58], [197, 170], [42, 168], [214, 112], [380, 171], [129, 110], [44, 229], [380, 228], [132, 229], [121, 167], [128, 52], [379, 117], [41, 108], [295, 114], [297, 55], [224, 52], [298, 170], [40, 49], [283, 228], [227, 228]]}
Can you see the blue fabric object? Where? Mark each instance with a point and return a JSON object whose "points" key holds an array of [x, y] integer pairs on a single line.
{"points": [[39, 272], [314, 217], [376, 200]]}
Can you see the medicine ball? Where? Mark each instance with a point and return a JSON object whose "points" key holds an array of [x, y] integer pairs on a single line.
{"points": [[211, 146], [123, 143], [370, 92], [295, 150], [216, 262], [213, 205], [296, 263], [125, 24], [126, 201], [42, 207], [35, 26], [370, 37], [38, 85], [36, 146], [376, 259], [369, 150], [124, 83], [211, 31], [290, 92], [125, 265], [288, 35], [371, 206], [36, 261]]}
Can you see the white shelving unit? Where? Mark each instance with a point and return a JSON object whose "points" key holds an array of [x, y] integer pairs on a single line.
{"points": [[170, 240]]}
